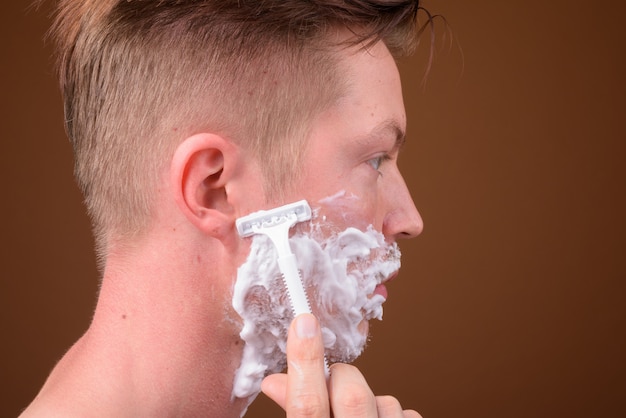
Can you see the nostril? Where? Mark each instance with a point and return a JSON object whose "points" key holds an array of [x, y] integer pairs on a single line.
{"points": [[407, 235], [413, 230]]}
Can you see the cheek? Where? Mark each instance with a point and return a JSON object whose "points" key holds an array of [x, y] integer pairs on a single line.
{"points": [[349, 209]]}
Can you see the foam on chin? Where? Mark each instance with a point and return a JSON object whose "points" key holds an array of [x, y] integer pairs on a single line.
{"points": [[340, 274]]}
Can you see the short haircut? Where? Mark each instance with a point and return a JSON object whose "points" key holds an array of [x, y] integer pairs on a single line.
{"points": [[139, 76]]}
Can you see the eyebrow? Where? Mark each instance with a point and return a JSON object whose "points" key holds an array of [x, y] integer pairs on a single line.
{"points": [[389, 128]]}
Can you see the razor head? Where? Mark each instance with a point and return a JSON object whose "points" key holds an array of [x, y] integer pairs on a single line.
{"points": [[293, 212]]}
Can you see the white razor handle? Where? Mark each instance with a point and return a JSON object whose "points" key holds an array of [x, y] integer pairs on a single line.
{"points": [[291, 275]]}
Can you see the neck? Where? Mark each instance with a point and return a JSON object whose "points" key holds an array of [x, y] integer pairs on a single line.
{"points": [[161, 342]]}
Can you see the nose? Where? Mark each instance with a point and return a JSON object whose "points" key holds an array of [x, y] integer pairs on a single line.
{"points": [[402, 220]]}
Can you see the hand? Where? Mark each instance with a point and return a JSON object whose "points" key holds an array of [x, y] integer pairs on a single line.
{"points": [[303, 391]]}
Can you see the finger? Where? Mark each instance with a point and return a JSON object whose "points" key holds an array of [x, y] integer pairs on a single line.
{"points": [[388, 407], [307, 394], [275, 387], [350, 395]]}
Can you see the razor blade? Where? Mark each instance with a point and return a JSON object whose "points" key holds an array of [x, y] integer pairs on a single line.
{"points": [[292, 213]]}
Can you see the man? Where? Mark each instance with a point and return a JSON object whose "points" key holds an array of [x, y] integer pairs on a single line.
{"points": [[187, 115]]}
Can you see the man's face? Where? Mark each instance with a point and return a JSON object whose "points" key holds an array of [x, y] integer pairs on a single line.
{"points": [[350, 169], [361, 207]]}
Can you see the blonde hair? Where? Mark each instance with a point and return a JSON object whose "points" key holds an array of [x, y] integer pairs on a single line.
{"points": [[139, 76]]}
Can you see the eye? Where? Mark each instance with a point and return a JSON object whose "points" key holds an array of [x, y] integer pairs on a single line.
{"points": [[375, 163]]}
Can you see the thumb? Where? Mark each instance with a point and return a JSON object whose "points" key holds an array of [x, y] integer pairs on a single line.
{"points": [[307, 394]]}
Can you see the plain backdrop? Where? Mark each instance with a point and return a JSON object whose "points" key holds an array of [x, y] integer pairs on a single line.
{"points": [[510, 304]]}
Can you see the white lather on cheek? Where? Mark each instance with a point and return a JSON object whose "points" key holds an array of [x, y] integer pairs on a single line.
{"points": [[343, 280], [340, 274], [337, 197]]}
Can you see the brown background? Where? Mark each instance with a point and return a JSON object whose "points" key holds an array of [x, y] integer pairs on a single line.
{"points": [[511, 302]]}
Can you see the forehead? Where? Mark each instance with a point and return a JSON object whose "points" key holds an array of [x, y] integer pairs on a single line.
{"points": [[371, 106]]}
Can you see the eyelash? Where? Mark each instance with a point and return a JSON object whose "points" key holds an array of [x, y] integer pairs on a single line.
{"points": [[375, 163]]}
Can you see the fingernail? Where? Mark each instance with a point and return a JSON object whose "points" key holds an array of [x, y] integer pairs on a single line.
{"points": [[306, 326]]}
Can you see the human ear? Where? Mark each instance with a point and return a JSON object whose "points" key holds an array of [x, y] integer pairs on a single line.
{"points": [[201, 168]]}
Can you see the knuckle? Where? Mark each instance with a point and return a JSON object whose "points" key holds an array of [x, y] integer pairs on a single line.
{"points": [[307, 405], [356, 400], [387, 405]]}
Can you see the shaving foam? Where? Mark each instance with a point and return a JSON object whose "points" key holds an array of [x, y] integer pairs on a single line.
{"points": [[339, 273]]}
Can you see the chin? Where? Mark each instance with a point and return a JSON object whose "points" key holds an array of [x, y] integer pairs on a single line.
{"points": [[364, 328], [344, 345]]}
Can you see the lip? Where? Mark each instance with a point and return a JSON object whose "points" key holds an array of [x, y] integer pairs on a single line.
{"points": [[381, 289]]}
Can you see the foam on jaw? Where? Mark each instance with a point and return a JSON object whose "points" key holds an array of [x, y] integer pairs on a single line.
{"points": [[340, 273]]}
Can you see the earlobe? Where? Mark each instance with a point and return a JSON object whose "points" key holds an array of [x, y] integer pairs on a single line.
{"points": [[201, 168]]}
